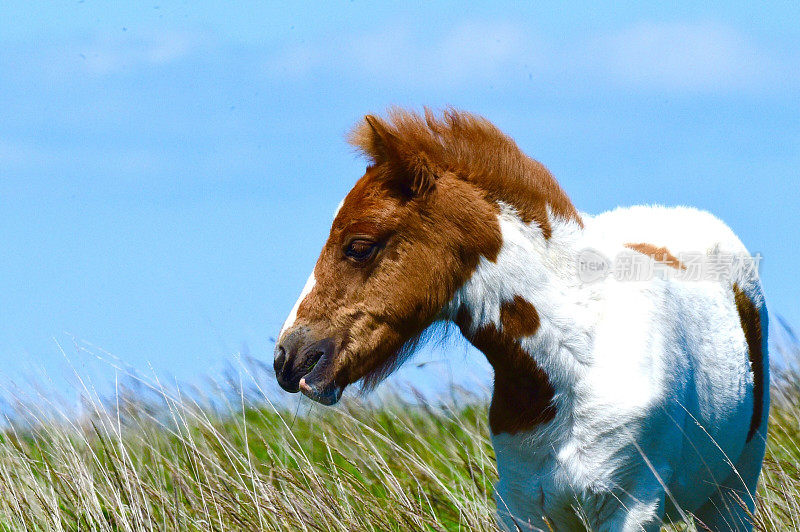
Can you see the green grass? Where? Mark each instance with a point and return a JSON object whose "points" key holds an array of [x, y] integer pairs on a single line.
{"points": [[159, 459]]}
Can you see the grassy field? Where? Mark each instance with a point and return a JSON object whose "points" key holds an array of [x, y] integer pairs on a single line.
{"points": [[153, 458]]}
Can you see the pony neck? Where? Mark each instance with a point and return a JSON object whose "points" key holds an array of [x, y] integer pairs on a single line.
{"points": [[526, 313]]}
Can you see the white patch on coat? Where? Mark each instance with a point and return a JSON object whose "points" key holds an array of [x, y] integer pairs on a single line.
{"points": [[656, 368]]}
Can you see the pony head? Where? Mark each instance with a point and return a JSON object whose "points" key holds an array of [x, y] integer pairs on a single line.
{"points": [[405, 239]]}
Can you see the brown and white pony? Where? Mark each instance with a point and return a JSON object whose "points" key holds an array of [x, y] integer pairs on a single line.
{"points": [[630, 399]]}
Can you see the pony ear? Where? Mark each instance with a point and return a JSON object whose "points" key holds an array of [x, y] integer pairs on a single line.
{"points": [[382, 143], [406, 167]]}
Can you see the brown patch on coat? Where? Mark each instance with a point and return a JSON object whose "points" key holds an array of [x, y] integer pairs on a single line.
{"points": [[750, 320], [471, 148], [519, 318], [659, 254], [523, 395]]}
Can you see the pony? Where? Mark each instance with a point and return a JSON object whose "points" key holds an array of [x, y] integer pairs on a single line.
{"points": [[619, 400]]}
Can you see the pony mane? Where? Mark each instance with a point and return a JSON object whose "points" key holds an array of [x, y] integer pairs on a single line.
{"points": [[471, 148]]}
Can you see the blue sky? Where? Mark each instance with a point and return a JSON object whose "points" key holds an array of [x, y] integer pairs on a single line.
{"points": [[168, 170]]}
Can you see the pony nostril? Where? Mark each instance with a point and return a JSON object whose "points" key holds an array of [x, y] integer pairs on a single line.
{"points": [[280, 358]]}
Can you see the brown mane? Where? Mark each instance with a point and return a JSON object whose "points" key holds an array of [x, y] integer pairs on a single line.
{"points": [[473, 149]]}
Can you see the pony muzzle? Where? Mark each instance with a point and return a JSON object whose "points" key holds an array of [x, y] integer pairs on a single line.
{"points": [[307, 367]]}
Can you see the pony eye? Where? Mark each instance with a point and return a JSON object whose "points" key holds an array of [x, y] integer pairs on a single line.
{"points": [[360, 250]]}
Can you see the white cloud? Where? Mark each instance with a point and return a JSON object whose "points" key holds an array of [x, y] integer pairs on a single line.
{"points": [[470, 51], [13, 154], [680, 56], [23, 158], [668, 57], [122, 51], [295, 62]]}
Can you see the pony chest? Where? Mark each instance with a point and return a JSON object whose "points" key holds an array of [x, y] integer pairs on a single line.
{"points": [[536, 479]]}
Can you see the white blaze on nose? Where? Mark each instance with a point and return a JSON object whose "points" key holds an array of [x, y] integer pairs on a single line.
{"points": [[293, 314], [306, 290], [339, 208]]}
